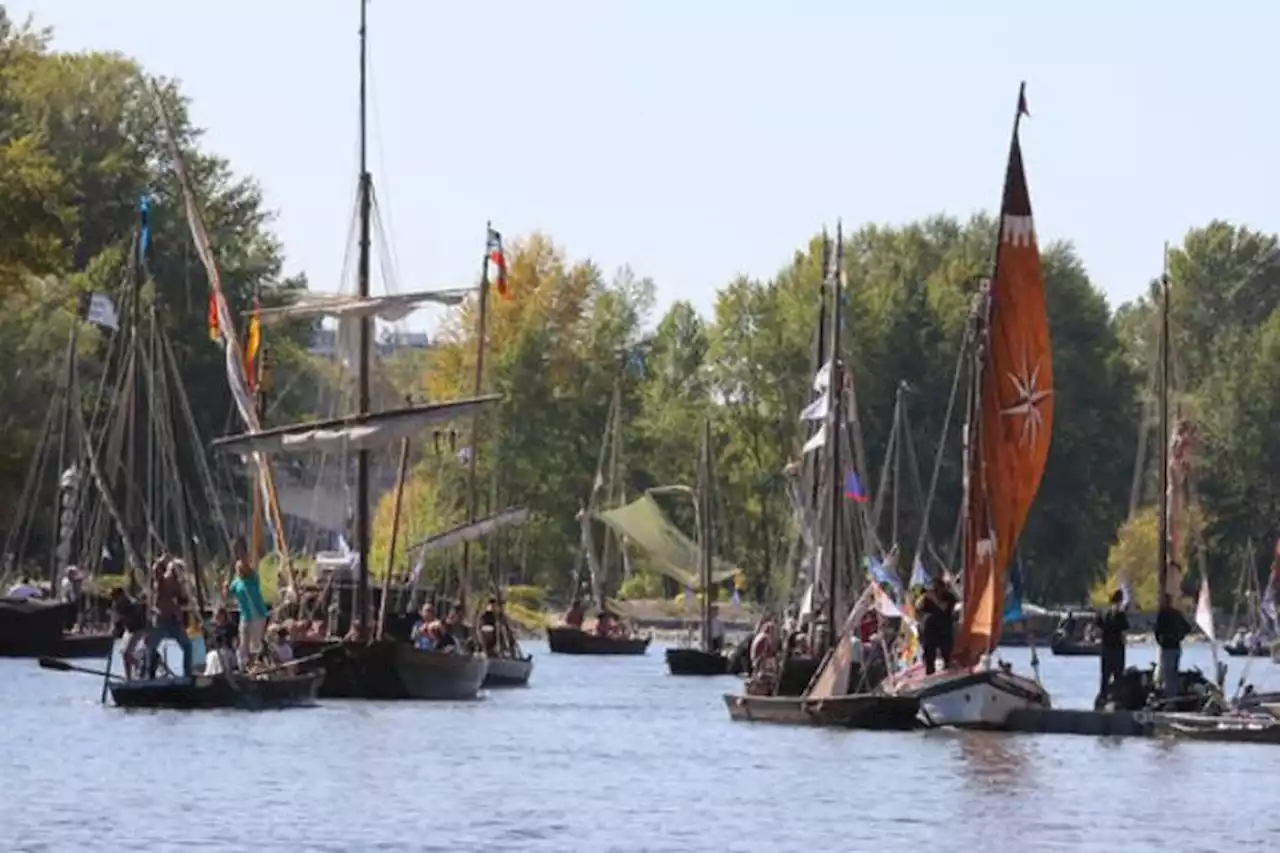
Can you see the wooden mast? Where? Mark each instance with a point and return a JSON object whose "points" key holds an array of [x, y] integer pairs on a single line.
{"points": [[835, 390], [478, 386], [1162, 538], [362, 379], [704, 531]]}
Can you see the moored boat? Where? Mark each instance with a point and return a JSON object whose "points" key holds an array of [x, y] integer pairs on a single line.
{"points": [[1064, 647], [977, 697], [509, 671], [232, 691], [871, 711], [574, 641], [1244, 650], [692, 661], [393, 669], [32, 627]]}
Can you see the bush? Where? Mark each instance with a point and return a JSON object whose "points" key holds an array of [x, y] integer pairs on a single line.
{"points": [[641, 585], [532, 598]]}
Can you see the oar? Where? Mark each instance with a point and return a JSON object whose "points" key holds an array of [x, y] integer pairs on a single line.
{"points": [[293, 663], [59, 665]]}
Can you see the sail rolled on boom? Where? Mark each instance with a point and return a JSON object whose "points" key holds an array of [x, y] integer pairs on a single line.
{"points": [[512, 517], [1010, 426], [390, 308], [352, 433]]}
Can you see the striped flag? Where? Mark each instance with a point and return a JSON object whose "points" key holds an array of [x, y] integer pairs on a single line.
{"points": [[498, 258]]}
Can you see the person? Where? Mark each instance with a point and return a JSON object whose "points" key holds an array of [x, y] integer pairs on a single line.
{"points": [[419, 634], [717, 630], [222, 661], [281, 651], [937, 623], [1114, 622], [25, 589], [71, 584], [224, 627], [1171, 629], [604, 624], [764, 646], [455, 626], [247, 590], [443, 639], [575, 616], [168, 605], [790, 621], [128, 621], [489, 627]]}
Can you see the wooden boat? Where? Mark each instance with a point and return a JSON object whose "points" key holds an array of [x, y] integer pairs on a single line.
{"points": [[574, 641], [509, 671], [872, 711], [234, 691], [33, 627], [1241, 650], [691, 661], [1226, 729], [393, 669], [1063, 647]]}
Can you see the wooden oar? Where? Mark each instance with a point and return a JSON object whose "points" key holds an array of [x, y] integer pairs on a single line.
{"points": [[293, 663], [59, 665]]}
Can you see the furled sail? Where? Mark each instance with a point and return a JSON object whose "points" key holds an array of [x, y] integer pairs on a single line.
{"points": [[1009, 429], [670, 551], [390, 308], [354, 432]]}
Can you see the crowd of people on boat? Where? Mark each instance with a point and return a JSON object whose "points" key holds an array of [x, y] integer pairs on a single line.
{"points": [[607, 623]]}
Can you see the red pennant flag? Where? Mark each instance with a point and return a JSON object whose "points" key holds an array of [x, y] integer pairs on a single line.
{"points": [[496, 257], [215, 334]]}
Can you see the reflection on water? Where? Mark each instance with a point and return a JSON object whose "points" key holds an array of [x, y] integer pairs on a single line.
{"points": [[602, 755]]}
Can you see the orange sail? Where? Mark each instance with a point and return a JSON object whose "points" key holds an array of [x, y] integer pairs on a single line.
{"points": [[1012, 418]]}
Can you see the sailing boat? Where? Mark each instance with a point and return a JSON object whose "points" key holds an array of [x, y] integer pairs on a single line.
{"points": [[1253, 639], [706, 659], [1006, 445], [369, 666], [569, 639]]}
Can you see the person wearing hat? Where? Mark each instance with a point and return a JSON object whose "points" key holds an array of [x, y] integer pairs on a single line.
{"points": [[168, 605]]}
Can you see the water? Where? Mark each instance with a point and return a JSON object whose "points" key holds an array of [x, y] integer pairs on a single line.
{"points": [[604, 755]]}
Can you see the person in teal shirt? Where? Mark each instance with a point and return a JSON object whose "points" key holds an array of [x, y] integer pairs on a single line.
{"points": [[253, 610]]}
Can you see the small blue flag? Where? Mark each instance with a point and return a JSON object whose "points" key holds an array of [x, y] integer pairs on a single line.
{"points": [[1013, 594], [853, 488], [144, 228]]}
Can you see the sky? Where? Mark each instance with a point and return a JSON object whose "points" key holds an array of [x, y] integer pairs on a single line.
{"points": [[697, 140]]}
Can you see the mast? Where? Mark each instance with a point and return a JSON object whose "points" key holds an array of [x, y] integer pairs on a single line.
{"points": [[362, 380], [704, 529], [473, 498], [1162, 402], [57, 553], [836, 390], [259, 403]]}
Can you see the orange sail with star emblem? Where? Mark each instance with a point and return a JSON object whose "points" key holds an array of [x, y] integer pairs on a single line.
{"points": [[1011, 420]]}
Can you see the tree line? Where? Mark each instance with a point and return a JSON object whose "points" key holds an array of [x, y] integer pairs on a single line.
{"points": [[80, 145]]}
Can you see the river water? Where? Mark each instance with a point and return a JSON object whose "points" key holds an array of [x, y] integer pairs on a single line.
{"points": [[604, 755]]}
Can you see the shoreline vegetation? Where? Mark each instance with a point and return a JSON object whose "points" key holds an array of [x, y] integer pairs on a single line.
{"points": [[83, 146]]}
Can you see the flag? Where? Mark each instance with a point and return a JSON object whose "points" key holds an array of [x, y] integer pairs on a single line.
{"points": [[919, 576], [253, 340], [883, 574], [144, 229], [215, 333], [853, 488], [1204, 610], [818, 439], [496, 257], [102, 312], [817, 410], [822, 379]]}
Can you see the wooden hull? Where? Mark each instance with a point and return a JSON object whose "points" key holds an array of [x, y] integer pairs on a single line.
{"points": [[219, 692], [391, 669], [571, 641], [1240, 650], [509, 672], [869, 711], [1075, 649], [978, 698], [696, 662], [33, 627], [1219, 729]]}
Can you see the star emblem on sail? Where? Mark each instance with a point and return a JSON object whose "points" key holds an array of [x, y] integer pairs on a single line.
{"points": [[1026, 383]]}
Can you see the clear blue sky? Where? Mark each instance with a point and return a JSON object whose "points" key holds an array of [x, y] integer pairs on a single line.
{"points": [[699, 139]]}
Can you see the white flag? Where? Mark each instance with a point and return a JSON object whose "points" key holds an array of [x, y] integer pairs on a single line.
{"points": [[819, 439], [1204, 611], [817, 410], [823, 377], [102, 312]]}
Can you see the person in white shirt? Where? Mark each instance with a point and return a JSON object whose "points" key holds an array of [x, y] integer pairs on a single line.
{"points": [[280, 649], [221, 661]]}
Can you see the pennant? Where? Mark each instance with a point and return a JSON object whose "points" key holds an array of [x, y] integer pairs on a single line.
{"points": [[102, 312], [822, 380], [882, 573], [1204, 611], [853, 489], [215, 331], [253, 341], [818, 440], [817, 410], [498, 258], [919, 575]]}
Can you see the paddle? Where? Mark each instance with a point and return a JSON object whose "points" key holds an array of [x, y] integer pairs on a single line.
{"points": [[308, 659], [62, 666]]}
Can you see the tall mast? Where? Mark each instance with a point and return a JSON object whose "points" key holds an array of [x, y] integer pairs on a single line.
{"points": [[362, 380], [835, 389], [473, 498], [704, 531], [1162, 539]]}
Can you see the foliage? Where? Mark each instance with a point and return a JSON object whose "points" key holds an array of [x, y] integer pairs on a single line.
{"points": [[641, 585]]}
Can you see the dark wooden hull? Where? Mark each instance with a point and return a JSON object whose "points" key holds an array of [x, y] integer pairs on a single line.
{"points": [[509, 672], [391, 669], [33, 627], [80, 646], [203, 693], [696, 662], [1240, 650], [869, 711], [1075, 649], [571, 641]]}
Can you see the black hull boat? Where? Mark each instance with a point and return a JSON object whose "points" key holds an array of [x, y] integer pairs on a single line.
{"points": [[34, 627], [690, 661], [870, 711], [573, 641], [1075, 648], [509, 671], [392, 669], [1240, 650], [204, 693]]}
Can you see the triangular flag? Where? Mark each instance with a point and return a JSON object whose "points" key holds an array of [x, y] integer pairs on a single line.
{"points": [[817, 410], [1204, 611], [818, 440]]}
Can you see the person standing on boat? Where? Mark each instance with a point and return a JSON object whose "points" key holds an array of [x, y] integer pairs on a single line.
{"points": [[128, 622], [936, 609], [1171, 629], [247, 590], [168, 605], [1114, 622], [489, 627], [717, 630], [574, 618]]}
